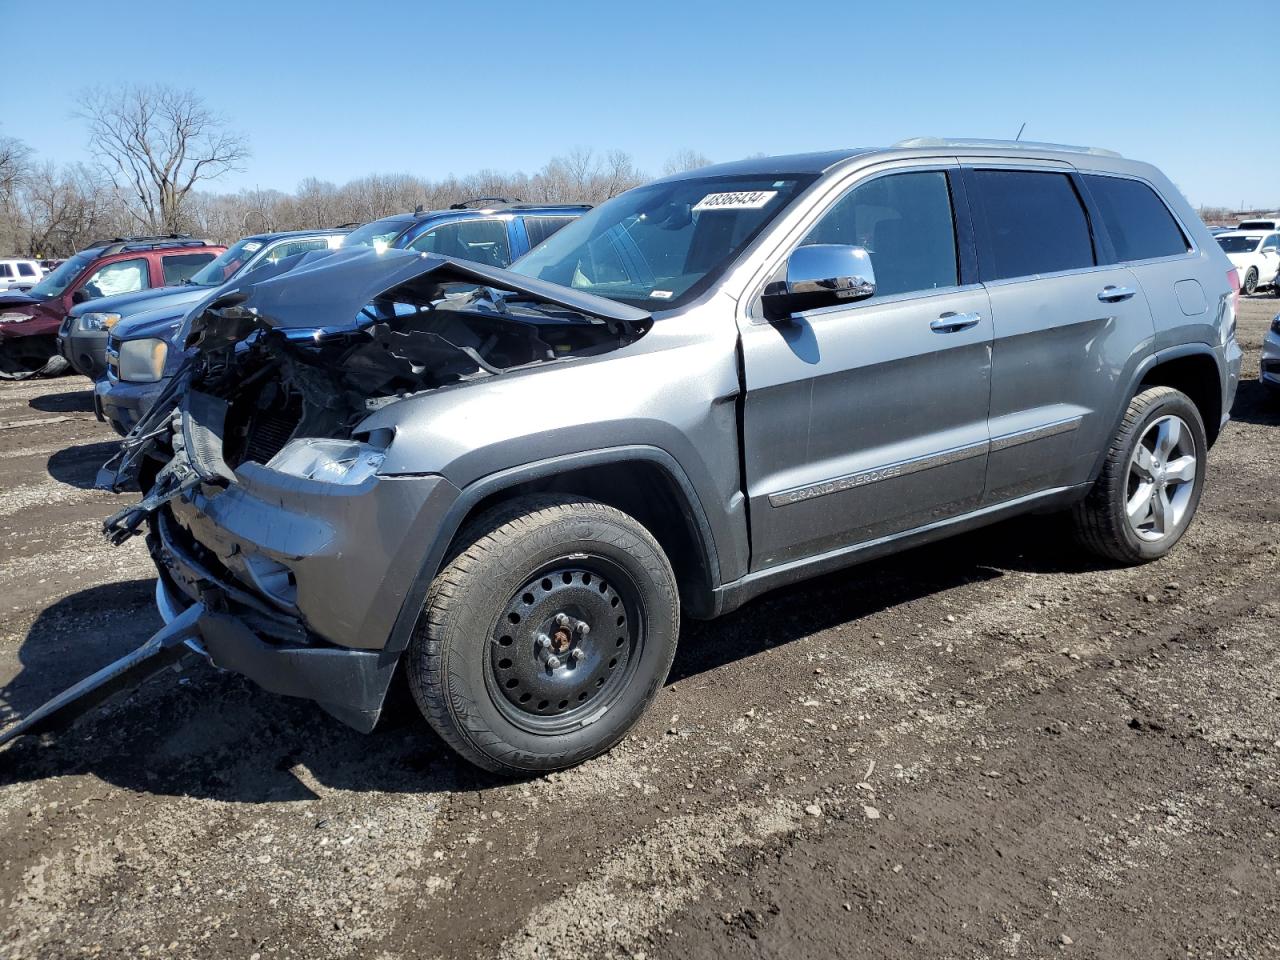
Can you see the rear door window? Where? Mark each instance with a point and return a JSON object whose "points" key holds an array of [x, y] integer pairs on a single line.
{"points": [[1034, 224], [539, 228], [6, 271], [904, 222], [1140, 225], [182, 267]]}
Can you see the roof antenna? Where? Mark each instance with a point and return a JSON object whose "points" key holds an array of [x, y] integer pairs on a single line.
{"points": [[1020, 129]]}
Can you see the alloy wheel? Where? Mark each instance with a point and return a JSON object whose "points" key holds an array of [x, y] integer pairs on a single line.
{"points": [[1162, 479]]}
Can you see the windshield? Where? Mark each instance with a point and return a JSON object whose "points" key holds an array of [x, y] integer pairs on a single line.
{"points": [[1239, 244], [661, 245], [56, 283], [378, 234], [228, 263]]}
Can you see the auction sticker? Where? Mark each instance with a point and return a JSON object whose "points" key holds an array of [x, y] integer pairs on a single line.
{"points": [[742, 200]]}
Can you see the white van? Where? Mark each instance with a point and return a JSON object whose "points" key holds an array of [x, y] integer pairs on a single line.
{"points": [[19, 274]]}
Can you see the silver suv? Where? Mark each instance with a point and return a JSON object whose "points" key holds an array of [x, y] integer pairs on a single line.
{"points": [[514, 481]]}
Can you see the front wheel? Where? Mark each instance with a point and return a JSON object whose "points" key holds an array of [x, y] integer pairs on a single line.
{"points": [[546, 636], [1149, 488], [1250, 282]]}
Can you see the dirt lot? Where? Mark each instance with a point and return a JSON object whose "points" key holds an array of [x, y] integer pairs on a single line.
{"points": [[991, 747]]}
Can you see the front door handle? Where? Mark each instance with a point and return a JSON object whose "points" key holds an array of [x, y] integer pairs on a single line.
{"points": [[950, 322], [1113, 294]]}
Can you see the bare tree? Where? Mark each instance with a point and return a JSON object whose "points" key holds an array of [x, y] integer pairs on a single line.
{"points": [[14, 158], [156, 144], [684, 160]]}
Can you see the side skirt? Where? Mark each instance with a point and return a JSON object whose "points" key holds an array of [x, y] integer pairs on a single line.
{"points": [[730, 596]]}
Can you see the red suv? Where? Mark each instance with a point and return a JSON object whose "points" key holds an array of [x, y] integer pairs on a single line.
{"points": [[29, 321]]}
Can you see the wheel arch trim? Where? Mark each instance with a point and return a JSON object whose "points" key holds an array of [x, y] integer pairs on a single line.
{"points": [[1140, 373], [478, 490]]}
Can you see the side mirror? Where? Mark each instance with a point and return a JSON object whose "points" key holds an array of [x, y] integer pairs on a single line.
{"points": [[80, 296], [820, 275]]}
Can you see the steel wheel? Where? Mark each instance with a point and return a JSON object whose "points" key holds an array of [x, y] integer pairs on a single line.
{"points": [[1162, 479], [563, 648]]}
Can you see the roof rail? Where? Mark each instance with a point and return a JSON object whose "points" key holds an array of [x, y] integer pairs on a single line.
{"points": [[483, 202], [1003, 145]]}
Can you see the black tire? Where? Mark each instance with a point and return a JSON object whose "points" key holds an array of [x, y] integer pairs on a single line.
{"points": [[1100, 520], [475, 664], [1250, 282]]}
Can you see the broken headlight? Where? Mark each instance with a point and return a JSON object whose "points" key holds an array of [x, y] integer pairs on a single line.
{"points": [[97, 321], [142, 360], [346, 462]]}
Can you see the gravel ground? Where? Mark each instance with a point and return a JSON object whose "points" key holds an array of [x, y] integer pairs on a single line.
{"points": [[991, 747]]}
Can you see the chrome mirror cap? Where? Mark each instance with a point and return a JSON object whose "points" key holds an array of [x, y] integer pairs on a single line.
{"points": [[820, 275]]}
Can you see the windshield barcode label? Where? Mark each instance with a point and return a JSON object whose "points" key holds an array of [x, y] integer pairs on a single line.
{"points": [[744, 200]]}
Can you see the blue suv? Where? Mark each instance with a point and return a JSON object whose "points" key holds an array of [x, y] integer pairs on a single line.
{"points": [[141, 354]]}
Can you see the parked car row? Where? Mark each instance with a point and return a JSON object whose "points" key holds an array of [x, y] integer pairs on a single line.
{"points": [[29, 321], [130, 345], [19, 275], [514, 478]]}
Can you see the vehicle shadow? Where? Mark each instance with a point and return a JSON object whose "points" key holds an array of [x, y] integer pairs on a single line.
{"points": [[78, 466], [78, 401], [215, 735], [1036, 544], [1256, 404]]}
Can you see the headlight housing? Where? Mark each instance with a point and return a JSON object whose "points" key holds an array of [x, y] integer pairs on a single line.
{"points": [[14, 317], [346, 462], [97, 321], [142, 360]]}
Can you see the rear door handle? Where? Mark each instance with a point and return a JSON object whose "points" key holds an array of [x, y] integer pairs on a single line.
{"points": [[1113, 294], [951, 322]]}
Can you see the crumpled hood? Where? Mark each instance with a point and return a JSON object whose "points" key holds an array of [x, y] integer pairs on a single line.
{"points": [[330, 289], [14, 299]]}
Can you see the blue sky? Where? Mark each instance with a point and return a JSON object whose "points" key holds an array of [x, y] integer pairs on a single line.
{"points": [[337, 90]]}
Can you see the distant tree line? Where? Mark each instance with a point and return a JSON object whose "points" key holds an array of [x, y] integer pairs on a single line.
{"points": [[155, 147]]}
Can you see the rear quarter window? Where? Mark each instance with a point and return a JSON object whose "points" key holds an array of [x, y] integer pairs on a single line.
{"points": [[1140, 225], [1034, 223], [26, 269]]}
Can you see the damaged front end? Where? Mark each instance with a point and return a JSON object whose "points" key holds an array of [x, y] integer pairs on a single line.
{"points": [[263, 504]]}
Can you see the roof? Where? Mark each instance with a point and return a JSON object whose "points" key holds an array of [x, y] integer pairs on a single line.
{"points": [[821, 162], [798, 163], [272, 235], [1257, 234]]}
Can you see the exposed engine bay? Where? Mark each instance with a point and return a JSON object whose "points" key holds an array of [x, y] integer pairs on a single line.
{"points": [[310, 351]]}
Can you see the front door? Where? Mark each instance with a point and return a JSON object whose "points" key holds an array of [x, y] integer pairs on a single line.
{"points": [[867, 419]]}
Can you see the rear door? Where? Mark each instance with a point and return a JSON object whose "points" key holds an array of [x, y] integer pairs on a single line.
{"points": [[868, 419], [1067, 323]]}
